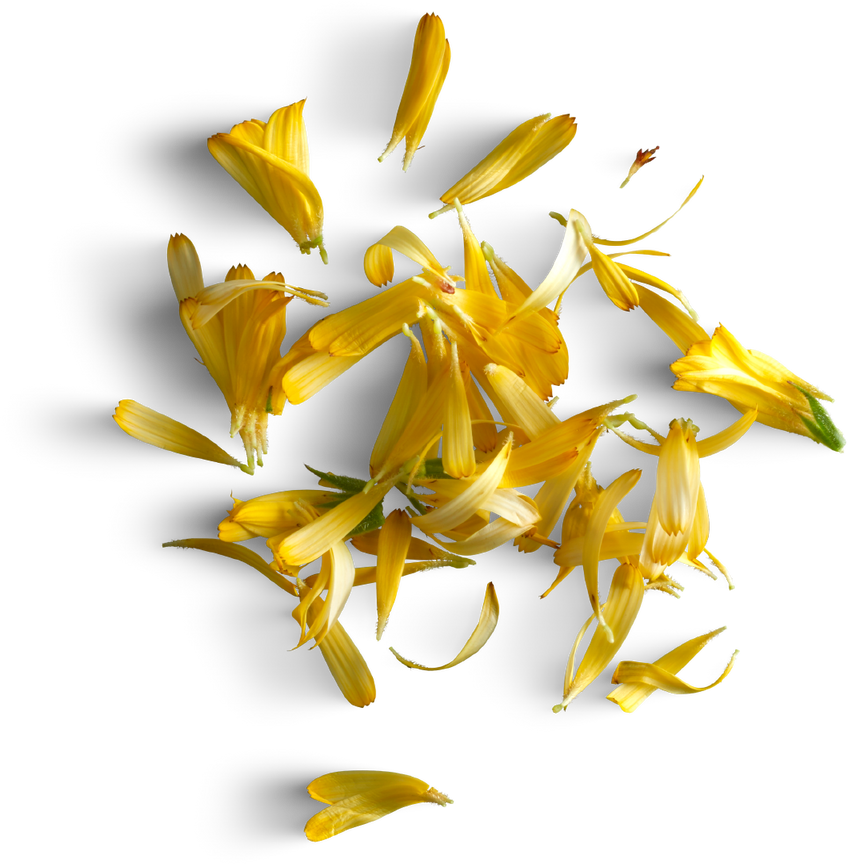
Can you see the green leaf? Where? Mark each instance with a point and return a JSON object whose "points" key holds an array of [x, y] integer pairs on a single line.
{"points": [[432, 469], [371, 522], [822, 428], [338, 481]]}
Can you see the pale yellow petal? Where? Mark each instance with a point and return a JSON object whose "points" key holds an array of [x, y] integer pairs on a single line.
{"points": [[392, 550], [457, 440], [479, 637], [723, 440], [157, 429]]}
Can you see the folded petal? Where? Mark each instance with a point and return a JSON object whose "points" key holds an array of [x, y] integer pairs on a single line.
{"points": [[479, 637]]}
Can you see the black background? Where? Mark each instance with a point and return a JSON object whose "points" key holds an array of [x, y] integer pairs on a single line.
{"points": [[197, 646]]}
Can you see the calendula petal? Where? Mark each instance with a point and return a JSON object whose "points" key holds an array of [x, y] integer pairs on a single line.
{"points": [[269, 515], [339, 586], [630, 696], [391, 557], [613, 280], [184, 267], [723, 440], [607, 502], [285, 136], [495, 534], [620, 610], [640, 276], [618, 541], [308, 376], [315, 538], [678, 478], [419, 125], [479, 637], [237, 553], [700, 532], [457, 440], [677, 325], [407, 243], [652, 675], [426, 74], [475, 270], [468, 502], [346, 664], [379, 264], [531, 413], [154, 428]]}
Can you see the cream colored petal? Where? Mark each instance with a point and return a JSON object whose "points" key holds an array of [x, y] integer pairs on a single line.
{"points": [[285, 136], [652, 675], [184, 267], [512, 506], [607, 502], [237, 553], [479, 637], [419, 125], [571, 255], [314, 539], [485, 176], [426, 73], [630, 696], [457, 440], [621, 609], [391, 556], [409, 394], [379, 265], [467, 503], [339, 586], [495, 534], [154, 428]]}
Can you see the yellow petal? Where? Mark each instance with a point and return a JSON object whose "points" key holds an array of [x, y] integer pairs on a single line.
{"points": [[529, 411], [407, 243], [427, 71], [678, 478], [359, 797], [468, 502], [184, 267], [419, 125], [314, 539], [379, 264], [677, 325], [346, 664], [476, 274], [723, 440], [647, 279], [154, 428], [308, 376], [479, 637], [613, 280], [607, 502], [654, 676], [341, 573], [457, 441], [391, 556], [617, 542], [285, 136], [621, 608], [237, 553], [630, 696]]}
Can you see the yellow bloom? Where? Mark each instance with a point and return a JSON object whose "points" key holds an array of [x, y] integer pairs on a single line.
{"points": [[237, 327], [620, 610], [679, 517], [526, 149], [358, 797], [642, 679], [642, 158], [427, 73], [749, 379], [478, 638], [271, 162]]}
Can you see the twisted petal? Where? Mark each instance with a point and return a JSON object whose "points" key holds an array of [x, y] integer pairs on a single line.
{"points": [[479, 637]]}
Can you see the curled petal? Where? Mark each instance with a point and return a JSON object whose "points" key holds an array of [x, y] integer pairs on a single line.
{"points": [[479, 637]]}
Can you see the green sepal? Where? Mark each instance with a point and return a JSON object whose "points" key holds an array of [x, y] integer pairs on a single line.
{"points": [[338, 481], [822, 427], [432, 469], [371, 522]]}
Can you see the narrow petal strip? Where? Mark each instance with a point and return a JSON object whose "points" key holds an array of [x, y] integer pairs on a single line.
{"points": [[392, 549], [484, 629]]}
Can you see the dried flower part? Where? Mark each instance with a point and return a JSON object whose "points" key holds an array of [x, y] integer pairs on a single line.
{"points": [[478, 638], [427, 72], [358, 797], [643, 157], [271, 162], [631, 695], [154, 428], [749, 379], [526, 149]]}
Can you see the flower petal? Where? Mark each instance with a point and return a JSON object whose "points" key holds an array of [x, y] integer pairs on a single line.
{"points": [[479, 637], [392, 550]]}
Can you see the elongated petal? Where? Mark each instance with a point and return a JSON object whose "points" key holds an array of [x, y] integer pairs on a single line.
{"points": [[678, 478], [391, 556], [621, 609], [340, 583], [359, 797], [677, 325], [617, 542], [426, 73], [649, 674], [530, 411], [485, 176], [285, 136], [607, 502], [613, 280], [309, 376], [495, 534], [630, 696], [467, 503], [475, 270], [314, 539], [654, 282], [154, 428], [184, 267], [237, 553], [346, 664], [419, 126], [723, 440], [457, 440], [484, 629]]}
